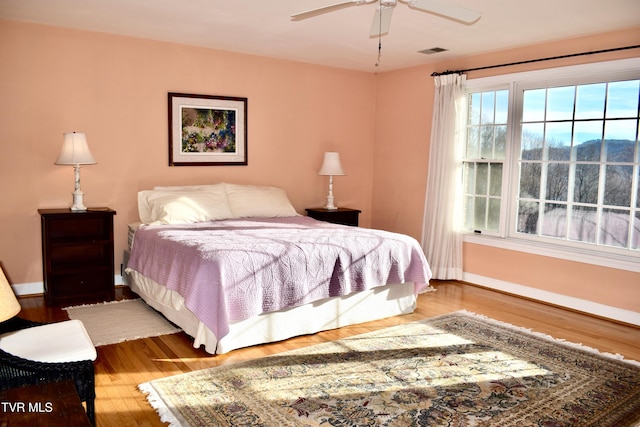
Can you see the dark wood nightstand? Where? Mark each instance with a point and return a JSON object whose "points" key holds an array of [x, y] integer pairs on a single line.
{"points": [[77, 256], [344, 216]]}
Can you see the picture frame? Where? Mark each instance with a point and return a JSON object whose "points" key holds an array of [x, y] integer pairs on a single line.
{"points": [[207, 130]]}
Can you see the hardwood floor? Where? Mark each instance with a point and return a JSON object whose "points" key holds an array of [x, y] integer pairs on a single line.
{"points": [[121, 367]]}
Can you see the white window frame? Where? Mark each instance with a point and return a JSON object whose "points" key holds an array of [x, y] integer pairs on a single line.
{"points": [[506, 162], [609, 257]]}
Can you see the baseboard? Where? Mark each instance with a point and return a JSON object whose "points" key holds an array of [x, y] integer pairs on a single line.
{"points": [[37, 288], [578, 304]]}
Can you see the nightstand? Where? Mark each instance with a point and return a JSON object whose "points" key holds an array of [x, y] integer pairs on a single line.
{"points": [[344, 216], [77, 256]]}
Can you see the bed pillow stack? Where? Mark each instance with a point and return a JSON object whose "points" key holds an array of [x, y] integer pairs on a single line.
{"points": [[200, 203]]}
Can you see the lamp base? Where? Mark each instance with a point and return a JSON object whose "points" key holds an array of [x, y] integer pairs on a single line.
{"points": [[78, 201], [330, 204], [330, 198]]}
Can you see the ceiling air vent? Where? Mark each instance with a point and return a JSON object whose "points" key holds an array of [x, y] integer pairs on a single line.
{"points": [[433, 50]]}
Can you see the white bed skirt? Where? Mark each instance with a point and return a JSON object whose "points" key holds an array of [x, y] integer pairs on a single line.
{"points": [[330, 313]]}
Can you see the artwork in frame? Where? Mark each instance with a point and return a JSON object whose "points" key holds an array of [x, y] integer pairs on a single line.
{"points": [[206, 130]]}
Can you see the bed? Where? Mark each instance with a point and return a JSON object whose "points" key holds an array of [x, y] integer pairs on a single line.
{"points": [[235, 266]]}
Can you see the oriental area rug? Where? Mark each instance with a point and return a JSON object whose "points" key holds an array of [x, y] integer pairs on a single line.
{"points": [[117, 321], [459, 369]]}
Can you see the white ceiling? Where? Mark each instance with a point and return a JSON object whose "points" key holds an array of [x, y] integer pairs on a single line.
{"points": [[340, 38]]}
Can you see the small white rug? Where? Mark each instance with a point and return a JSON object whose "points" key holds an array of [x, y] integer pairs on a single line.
{"points": [[118, 321]]}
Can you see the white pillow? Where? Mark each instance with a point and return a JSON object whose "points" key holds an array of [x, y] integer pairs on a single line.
{"points": [[183, 207], [258, 201], [220, 187]]}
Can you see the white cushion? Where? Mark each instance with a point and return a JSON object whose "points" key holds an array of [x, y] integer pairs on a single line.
{"points": [[206, 203], [58, 342], [185, 187], [258, 201]]}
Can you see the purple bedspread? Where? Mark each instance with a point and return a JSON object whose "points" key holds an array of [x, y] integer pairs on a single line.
{"points": [[232, 270]]}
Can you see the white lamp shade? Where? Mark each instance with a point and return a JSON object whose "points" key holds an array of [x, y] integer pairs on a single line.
{"points": [[9, 305], [75, 150], [331, 164]]}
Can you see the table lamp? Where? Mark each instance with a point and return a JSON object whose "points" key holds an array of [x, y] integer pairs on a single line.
{"points": [[75, 151], [331, 167]]}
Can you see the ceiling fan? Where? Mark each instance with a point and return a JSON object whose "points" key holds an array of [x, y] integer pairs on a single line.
{"points": [[382, 18]]}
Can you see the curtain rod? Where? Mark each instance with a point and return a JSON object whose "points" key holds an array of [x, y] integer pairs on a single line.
{"points": [[534, 60]]}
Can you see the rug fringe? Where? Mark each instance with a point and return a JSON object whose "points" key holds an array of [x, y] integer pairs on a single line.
{"points": [[428, 289], [100, 303], [550, 338], [156, 402]]}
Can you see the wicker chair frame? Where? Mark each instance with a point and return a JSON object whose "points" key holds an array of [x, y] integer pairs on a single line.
{"points": [[17, 372]]}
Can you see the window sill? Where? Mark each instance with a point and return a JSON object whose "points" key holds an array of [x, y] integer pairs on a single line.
{"points": [[603, 259]]}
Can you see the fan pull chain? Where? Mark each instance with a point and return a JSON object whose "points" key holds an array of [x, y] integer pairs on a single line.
{"points": [[379, 35]]}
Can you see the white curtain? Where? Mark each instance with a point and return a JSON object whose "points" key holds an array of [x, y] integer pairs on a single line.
{"points": [[441, 231]]}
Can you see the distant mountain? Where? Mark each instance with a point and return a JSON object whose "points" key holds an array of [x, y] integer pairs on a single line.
{"points": [[618, 150]]}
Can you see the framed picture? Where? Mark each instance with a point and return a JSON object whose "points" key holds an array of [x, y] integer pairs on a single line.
{"points": [[207, 130]]}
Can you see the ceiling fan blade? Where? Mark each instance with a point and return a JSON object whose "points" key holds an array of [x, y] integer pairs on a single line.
{"points": [[447, 10], [326, 9], [381, 21]]}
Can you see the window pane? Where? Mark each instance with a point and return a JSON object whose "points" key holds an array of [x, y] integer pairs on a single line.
{"points": [[488, 106], [614, 228], [635, 240], [558, 140], [560, 103], [533, 105], [474, 109], [468, 216], [587, 179], [500, 142], [530, 180], [482, 178], [502, 106], [486, 142], [469, 177], [583, 224], [587, 140], [480, 213], [528, 217], [590, 101], [617, 187], [532, 139], [472, 143], [622, 99], [495, 186], [493, 219], [557, 181], [620, 140], [554, 220]]}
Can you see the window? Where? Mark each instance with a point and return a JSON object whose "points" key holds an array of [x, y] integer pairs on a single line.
{"points": [[556, 161], [485, 152]]}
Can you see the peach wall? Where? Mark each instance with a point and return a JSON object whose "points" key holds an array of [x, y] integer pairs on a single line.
{"points": [[403, 127], [404, 108], [114, 89], [608, 286]]}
